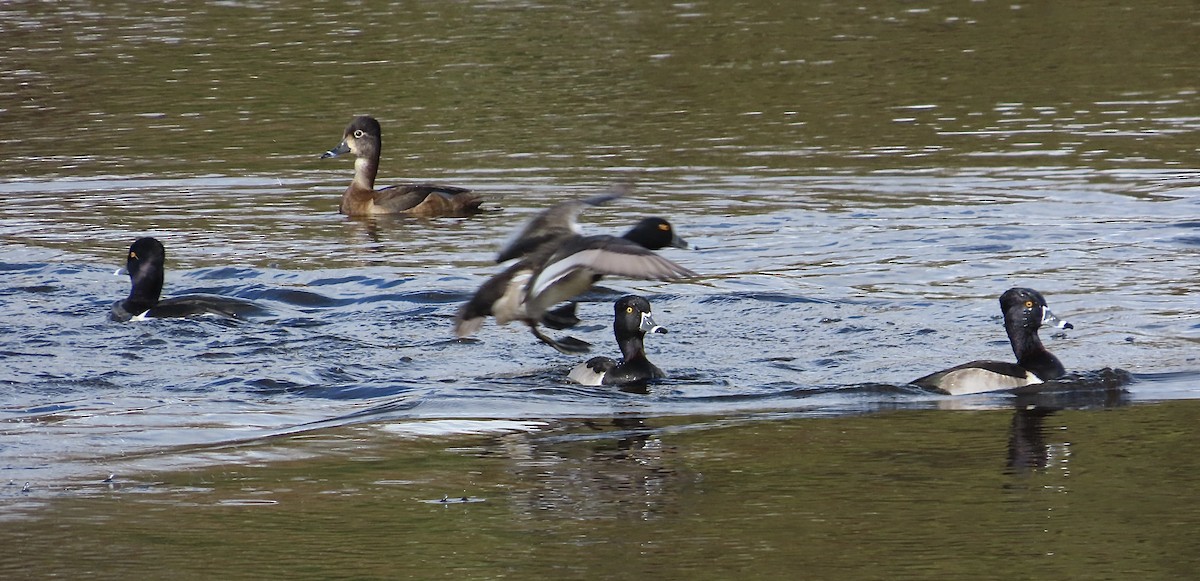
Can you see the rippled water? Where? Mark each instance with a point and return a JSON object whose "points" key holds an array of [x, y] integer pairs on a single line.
{"points": [[859, 185]]}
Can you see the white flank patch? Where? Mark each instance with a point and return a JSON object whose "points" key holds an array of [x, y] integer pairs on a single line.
{"points": [[974, 380], [453, 427]]}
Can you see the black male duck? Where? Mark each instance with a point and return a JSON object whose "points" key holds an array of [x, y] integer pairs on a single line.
{"points": [[631, 323], [144, 264], [364, 138], [557, 263], [1024, 311]]}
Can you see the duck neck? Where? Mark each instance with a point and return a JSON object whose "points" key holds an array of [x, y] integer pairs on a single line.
{"points": [[1031, 354], [632, 349], [147, 288], [366, 168]]}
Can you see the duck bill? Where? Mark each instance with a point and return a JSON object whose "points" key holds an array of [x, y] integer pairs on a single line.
{"points": [[678, 242], [1048, 318], [649, 326], [340, 149]]}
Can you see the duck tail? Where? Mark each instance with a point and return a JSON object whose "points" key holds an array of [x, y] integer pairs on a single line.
{"points": [[466, 325]]}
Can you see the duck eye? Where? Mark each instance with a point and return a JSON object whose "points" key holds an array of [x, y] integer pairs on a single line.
{"points": [[133, 255], [629, 310], [358, 133], [1029, 304], [664, 227]]}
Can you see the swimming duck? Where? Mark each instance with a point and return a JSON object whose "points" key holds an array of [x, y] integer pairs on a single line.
{"points": [[632, 322], [563, 264], [1024, 312], [363, 138], [145, 267]]}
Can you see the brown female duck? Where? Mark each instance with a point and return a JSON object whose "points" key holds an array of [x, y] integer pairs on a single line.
{"points": [[363, 138]]}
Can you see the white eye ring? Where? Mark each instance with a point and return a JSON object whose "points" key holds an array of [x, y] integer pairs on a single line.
{"points": [[358, 132]]}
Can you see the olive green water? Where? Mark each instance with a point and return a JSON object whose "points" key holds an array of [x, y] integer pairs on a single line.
{"points": [[861, 181], [894, 495]]}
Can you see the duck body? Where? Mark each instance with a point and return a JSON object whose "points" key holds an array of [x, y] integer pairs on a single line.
{"points": [[651, 233], [185, 306], [364, 138], [631, 323], [556, 263], [144, 264], [1025, 311]]}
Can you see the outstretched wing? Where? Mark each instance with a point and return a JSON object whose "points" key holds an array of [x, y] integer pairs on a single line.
{"points": [[557, 221], [603, 255]]}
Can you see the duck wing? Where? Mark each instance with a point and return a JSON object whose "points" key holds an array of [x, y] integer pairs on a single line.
{"points": [[427, 200], [556, 222], [573, 268]]}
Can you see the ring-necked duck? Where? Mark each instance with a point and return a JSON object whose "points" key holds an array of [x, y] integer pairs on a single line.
{"points": [[363, 138], [1024, 312], [145, 267], [632, 322], [563, 264]]}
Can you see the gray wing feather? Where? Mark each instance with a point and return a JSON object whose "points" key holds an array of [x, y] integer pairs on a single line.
{"points": [[557, 221], [621, 261]]}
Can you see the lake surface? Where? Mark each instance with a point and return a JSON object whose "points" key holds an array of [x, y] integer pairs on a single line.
{"points": [[858, 183]]}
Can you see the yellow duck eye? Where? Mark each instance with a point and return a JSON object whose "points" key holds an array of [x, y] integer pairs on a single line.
{"points": [[629, 310], [1029, 304], [664, 227], [133, 255]]}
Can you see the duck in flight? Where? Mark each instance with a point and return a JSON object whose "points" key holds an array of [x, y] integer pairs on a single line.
{"points": [[557, 263]]}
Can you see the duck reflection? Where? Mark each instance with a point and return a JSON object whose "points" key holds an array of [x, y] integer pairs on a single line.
{"points": [[1027, 447], [1036, 442], [621, 467]]}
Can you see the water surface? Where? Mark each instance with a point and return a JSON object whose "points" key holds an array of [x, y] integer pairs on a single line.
{"points": [[859, 184]]}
